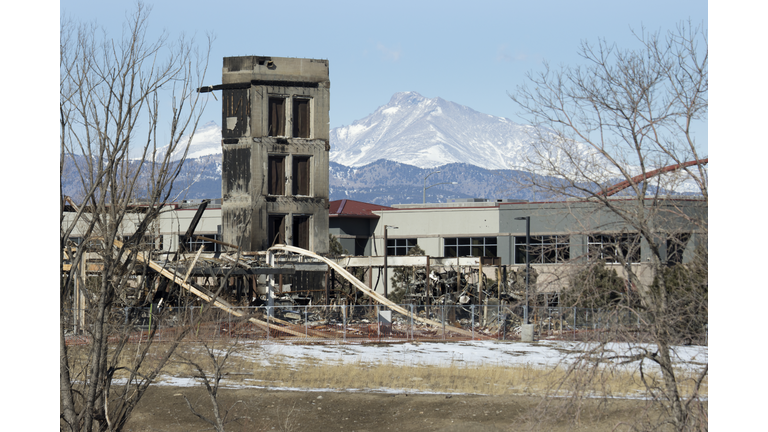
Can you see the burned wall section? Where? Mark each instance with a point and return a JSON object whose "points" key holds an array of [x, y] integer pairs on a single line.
{"points": [[237, 200], [276, 115], [236, 170], [235, 112]]}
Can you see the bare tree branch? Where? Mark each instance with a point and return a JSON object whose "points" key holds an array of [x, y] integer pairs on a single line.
{"points": [[108, 87], [622, 116]]}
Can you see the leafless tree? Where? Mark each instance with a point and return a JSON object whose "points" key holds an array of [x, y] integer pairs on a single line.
{"points": [[113, 115], [622, 116], [211, 367]]}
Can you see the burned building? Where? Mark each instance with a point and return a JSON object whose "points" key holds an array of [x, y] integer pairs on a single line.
{"points": [[275, 117]]}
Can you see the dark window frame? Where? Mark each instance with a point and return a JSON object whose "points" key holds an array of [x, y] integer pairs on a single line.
{"points": [[301, 119], [470, 246], [360, 243], [400, 246], [193, 244], [276, 175], [276, 116], [676, 245], [301, 231], [302, 175], [235, 104], [276, 229], [545, 249], [603, 247]]}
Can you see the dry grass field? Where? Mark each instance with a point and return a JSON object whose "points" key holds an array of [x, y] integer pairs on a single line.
{"points": [[164, 409], [456, 377], [270, 390]]}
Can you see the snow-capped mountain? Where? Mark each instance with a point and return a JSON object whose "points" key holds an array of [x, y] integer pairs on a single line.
{"points": [[429, 133], [415, 130], [205, 142], [410, 133]]}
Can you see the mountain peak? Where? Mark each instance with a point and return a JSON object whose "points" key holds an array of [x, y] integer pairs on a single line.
{"points": [[206, 141], [406, 98], [429, 132], [412, 129]]}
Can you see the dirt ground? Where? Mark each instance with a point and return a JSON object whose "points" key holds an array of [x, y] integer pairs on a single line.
{"points": [[163, 408]]}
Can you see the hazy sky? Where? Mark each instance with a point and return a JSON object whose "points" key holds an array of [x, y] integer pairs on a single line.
{"points": [[470, 53]]}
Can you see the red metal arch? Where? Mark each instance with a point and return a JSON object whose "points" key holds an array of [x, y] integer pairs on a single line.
{"points": [[642, 177]]}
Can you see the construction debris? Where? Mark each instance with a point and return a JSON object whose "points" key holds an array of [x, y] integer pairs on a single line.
{"points": [[282, 292]]}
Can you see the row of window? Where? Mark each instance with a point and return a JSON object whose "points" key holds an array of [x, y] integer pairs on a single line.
{"points": [[470, 246], [277, 234], [611, 248], [236, 113], [147, 242], [156, 242], [193, 244]]}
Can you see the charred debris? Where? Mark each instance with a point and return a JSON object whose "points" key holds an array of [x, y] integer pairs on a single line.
{"points": [[186, 278]]}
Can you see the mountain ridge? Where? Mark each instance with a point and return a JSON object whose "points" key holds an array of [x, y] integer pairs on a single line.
{"points": [[385, 157], [428, 133]]}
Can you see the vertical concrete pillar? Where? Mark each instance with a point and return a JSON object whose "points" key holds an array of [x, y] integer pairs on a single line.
{"points": [[270, 284]]}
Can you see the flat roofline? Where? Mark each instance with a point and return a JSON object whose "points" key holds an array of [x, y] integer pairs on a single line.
{"points": [[353, 216], [445, 205], [494, 204]]}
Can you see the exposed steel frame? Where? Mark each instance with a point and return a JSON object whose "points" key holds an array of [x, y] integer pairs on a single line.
{"points": [[618, 187]]}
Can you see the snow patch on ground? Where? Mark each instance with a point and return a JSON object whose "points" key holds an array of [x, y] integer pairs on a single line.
{"points": [[544, 354]]}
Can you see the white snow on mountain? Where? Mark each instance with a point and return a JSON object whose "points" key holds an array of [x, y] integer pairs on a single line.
{"points": [[428, 133], [414, 130], [206, 141]]}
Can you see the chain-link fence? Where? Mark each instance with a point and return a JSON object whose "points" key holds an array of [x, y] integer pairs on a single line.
{"points": [[362, 324]]}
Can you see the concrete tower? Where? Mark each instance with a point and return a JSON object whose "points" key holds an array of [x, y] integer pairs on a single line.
{"points": [[274, 183]]}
